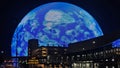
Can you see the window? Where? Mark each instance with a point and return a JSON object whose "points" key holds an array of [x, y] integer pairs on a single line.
{"points": [[78, 55], [55, 52]]}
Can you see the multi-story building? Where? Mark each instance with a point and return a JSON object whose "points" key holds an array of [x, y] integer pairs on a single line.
{"points": [[103, 57], [48, 56], [93, 53]]}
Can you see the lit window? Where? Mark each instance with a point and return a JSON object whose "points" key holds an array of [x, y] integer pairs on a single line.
{"points": [[65, 49], [44, 52], [87, 65], [106, 51], [101, 52], [106, 66], [55, 48], [44, 48], [67, 57], [111, 50], [64, 52], [75, 64], [93, 42], [113, 59], [116, 49], [78, 55], [96, 53], [106, 60], [83, 48], [61, 57], [55, 52], [72, 57], [83, 55], [113, 66]]}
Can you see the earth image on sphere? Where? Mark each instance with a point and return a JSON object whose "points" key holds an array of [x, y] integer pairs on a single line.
{"points": [[54, 24]]}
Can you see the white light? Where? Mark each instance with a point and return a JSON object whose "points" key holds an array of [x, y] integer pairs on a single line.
{"points": [[106, 59], [83, 48], [78, 55], [113, 59], [93, 42], [2, 51], [87, 64], [106, 66], [74, 64], [113, 67]]}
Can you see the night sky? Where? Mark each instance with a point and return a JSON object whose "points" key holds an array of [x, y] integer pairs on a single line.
{"points": [[106, 13]]}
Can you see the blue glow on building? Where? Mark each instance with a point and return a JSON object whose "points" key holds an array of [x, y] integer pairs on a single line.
{"points": [[116, 43], [56, 23]]}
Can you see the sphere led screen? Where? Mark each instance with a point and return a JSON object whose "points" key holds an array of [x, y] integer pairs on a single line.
{"points": [[57, 24], [116, 43]]}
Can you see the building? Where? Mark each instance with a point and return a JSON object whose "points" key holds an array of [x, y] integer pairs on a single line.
{"points": [[32, 45], [46, 56], [95, 53], [103, 57]]}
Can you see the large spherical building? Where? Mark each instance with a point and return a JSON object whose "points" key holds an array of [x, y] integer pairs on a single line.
{"points": [[55, 24]]}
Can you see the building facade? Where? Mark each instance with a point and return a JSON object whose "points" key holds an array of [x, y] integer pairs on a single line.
{"points": [[94, 53]]}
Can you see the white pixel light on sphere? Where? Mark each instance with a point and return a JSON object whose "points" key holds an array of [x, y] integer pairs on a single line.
{"points": [[56, 23]]}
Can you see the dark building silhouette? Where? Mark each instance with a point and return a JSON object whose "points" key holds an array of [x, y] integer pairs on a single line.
{"points": [[93, 43], [32, 45]]}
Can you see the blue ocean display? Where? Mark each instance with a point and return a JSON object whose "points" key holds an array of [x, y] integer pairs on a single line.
{"points": [[54, 24]]}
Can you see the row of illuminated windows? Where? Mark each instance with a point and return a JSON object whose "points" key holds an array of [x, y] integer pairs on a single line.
{"points": [[111, 51], [99, 54]]}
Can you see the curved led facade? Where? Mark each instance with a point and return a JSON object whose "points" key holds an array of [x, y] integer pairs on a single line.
{"points": [[116, 43], [56, 23]]}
